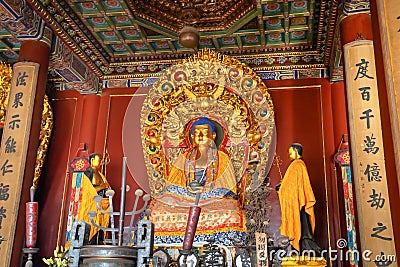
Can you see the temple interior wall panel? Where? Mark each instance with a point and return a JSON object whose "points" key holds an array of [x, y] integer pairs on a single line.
{"points": [[303, 113], [100, 79]]}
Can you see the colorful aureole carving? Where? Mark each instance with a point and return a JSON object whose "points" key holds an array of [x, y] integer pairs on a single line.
{"points": [[236, 101]]}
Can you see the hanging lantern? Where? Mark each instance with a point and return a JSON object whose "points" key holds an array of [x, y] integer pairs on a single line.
{"points": [[189, 37]]}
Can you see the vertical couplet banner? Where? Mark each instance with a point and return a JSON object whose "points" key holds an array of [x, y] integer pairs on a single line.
{"points": [[368, 153], [14, 147], [389, 29]]}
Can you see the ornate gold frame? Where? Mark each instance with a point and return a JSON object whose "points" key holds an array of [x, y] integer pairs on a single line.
{"points": [[205, 80]]}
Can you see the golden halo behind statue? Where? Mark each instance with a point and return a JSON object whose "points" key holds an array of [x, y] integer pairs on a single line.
{"points": [[212, 85]]}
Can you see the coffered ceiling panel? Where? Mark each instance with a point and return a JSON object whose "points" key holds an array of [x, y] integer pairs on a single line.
{"points": [[117, 38]]}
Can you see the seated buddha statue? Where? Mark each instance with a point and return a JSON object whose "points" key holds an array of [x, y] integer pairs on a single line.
{"points": [[203, 168]]}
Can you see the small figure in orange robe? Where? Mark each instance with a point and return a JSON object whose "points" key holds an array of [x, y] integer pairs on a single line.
{"points": [[98, 179], [99, 187], [85, 186], [297, 201]]}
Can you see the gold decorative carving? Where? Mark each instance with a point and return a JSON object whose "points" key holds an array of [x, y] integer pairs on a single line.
{"points": [[206, 84], [304, 261], [205, 14], [44, 139], [5, 84]]}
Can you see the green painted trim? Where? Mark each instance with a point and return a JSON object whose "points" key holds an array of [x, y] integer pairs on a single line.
{"points": [[213, 34], [239, 41], [156, 28], [243, 21], [263, 39], [248, 31], [299, 28], [171, 46], [216, 43], [158, 38], [7, 47]]}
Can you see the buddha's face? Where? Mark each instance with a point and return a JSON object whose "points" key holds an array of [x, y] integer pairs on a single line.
{"points": [[293, 154], [95, 161], [202, 135]]}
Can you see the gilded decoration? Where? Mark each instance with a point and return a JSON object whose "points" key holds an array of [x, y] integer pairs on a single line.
{"points": [[148, 31], [44, 139], [304, 261], [5, 84], [212, 85], [206, 14]]}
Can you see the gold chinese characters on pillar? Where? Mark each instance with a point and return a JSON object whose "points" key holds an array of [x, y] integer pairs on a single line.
{"points": [[14, 145], [368, 152]]}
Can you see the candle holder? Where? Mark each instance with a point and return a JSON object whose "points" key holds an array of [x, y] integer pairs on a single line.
{"points": [[31, 219], [112, 229], [30, 252], [129, 245]]}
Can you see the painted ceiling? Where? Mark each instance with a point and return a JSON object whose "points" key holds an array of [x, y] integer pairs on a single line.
{"points": [[126, 38]]}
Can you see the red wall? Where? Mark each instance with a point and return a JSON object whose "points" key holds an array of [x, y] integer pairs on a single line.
{"points": [[117, 143], [54, 182], [303, 113]]}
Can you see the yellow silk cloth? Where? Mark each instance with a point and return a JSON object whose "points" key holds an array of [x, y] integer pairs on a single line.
{"points": [[87, 204], [81, 202], [221, 215], [296, 192], [225, 177]]}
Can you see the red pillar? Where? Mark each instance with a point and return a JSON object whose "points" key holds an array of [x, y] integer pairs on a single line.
{"points": [[89, 122], [39, 52], [356, 26], [339, 109]]}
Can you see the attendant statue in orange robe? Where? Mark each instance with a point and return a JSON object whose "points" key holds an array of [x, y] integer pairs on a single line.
{"points": [[87, 184], [98, 179], [206, 169], [297, 201], [99, 186]]}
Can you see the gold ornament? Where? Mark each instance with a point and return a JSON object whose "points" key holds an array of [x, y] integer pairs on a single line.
{"points": [[206, 84], [44, 139], [5, 85]]}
